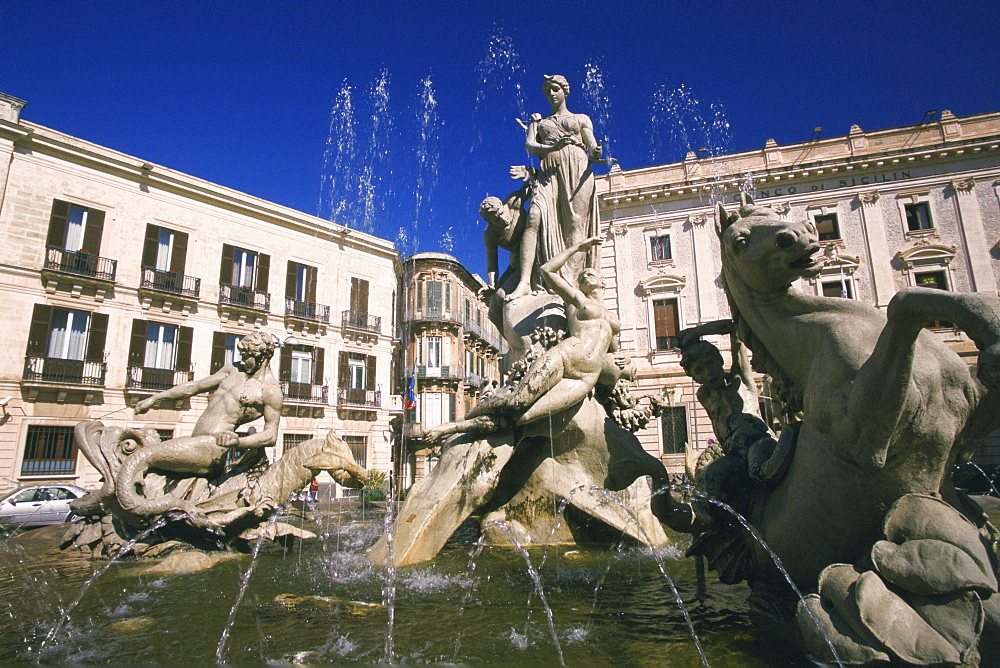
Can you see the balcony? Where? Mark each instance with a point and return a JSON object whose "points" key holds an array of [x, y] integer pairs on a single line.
{"points": [[347, 396], [452, 372], [307, 311], [170, 282], [483, 333], [244, 298], [80, 263], [362, 321], [474, 380], [57, 371], [155, 380], [435, 313], [305, 393], [31, 467]]}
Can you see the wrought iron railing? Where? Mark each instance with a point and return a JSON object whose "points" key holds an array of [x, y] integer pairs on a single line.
{"points": [[307, 310], [474, 379], [247, 298], [363, 321], [146, 378], [39, 368], [80, 263], [447, 371], [433, 313], [305, 392], [48, 466], [347, 396], [170, 282], [482, 332]]}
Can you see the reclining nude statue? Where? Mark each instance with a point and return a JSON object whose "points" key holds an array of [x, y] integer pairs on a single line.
{"points": [[902, 567], [186, 478]]}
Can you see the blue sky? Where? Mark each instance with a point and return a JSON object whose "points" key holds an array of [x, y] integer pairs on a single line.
{"points": [[241, 93]]}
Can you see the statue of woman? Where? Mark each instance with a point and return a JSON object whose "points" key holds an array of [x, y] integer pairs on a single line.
{"points": [[563, 210]]}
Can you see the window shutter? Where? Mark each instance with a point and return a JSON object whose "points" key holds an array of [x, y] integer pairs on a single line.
{"points": [[285, 367], [57, 224], [311, 283], [318, 354], [137, 347], [362, 296], [150, 245], [38, 334], [369, 372], [179, 258], [185, 335], [451, 408], [226, 270], [665, 315], [263, 267], [343, 374], [98, 337], [92, 234], [290, 279], [218, 351]]}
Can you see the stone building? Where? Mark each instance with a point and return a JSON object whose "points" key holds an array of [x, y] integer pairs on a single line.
{"points": [[450, 351], [122, 277], [915, 205]]}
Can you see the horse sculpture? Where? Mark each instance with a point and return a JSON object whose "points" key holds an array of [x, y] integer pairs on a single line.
{"points": [[888, 410]]}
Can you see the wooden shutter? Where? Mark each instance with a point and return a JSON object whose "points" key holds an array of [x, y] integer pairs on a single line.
{"points": [[218, 351], [665, 315], [343, 372], [38, 334], [291, 277], [57, 224], [137, 346], [226, 270], [93, 232], [369, 372], [185, 336], [285, 366], [311, 283], [359, 295], [263, 268], [150, 246], [98, 337], [179, 257], [318, 354]]}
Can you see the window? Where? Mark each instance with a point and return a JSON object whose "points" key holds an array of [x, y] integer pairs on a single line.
{"points": [[666, 319], [434, 351], [165, 434], [164, 249], [660, 248], [66, 345], [827, 226], [224, 350], [359, 448], [244, 268], [918, 216], [938, 281], [301, 371], [68, 334], [300, 282], [289, 441], [160, 346], [356, 378], [75, 228], [356, 372], [49, 451], [158, 350], [836, 288], [359, 295], [673, 423], [438, 408], [302, 368]]}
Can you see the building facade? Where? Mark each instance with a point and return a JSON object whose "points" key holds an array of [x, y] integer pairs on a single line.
{"points": [[451, 351], [122, 278], [915, 205]]}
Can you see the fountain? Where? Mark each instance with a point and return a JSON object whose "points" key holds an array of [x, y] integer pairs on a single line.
{"points": [[843, 533]]}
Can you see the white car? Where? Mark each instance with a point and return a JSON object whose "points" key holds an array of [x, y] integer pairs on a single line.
{"points": [[40, 504]]}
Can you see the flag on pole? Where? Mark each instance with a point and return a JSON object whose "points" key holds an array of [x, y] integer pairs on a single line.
{"points": [[410, 401]]}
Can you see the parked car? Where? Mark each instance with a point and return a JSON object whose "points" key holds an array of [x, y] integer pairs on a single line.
{"points": [[39, 504]]}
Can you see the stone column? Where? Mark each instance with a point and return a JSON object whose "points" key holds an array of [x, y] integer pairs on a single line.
{"points": [[970, 225], [705, 269], [877, 247]]}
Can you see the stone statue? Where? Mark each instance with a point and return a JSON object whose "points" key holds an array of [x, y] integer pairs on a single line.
{"points": [[566, 372], [186, 478], [505, 224], [866, 513], [563, 210]]}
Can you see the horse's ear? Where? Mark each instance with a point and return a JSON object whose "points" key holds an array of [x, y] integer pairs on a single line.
{"points": [[746, 200], [723, 219]]}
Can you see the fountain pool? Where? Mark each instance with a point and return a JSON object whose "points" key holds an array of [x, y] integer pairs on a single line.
{"points": [[323, 604]]}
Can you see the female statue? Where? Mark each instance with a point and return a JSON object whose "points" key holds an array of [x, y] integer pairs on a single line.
{"points": [[563, 210]]}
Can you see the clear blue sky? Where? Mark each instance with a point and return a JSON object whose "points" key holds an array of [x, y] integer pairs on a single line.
{"points": [[241, 93]]}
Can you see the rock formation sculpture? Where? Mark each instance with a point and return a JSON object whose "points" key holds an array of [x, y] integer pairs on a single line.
{"points": [[186, 478], [903, 567]]}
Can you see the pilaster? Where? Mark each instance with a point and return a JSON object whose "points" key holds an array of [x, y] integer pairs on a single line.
{"points": [[970, 224], [879, 257], [704, 267], [624, 280]]}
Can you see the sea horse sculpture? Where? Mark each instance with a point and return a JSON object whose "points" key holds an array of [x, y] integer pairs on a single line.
{"points": [[888, 410]]}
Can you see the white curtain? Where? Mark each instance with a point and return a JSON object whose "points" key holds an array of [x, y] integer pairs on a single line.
{"points": [[74, 229], [161, 344], [68, 338], [164, 250]]}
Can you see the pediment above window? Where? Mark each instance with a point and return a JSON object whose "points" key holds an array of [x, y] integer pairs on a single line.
{"points": [[927, 254], [662, 283]]}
